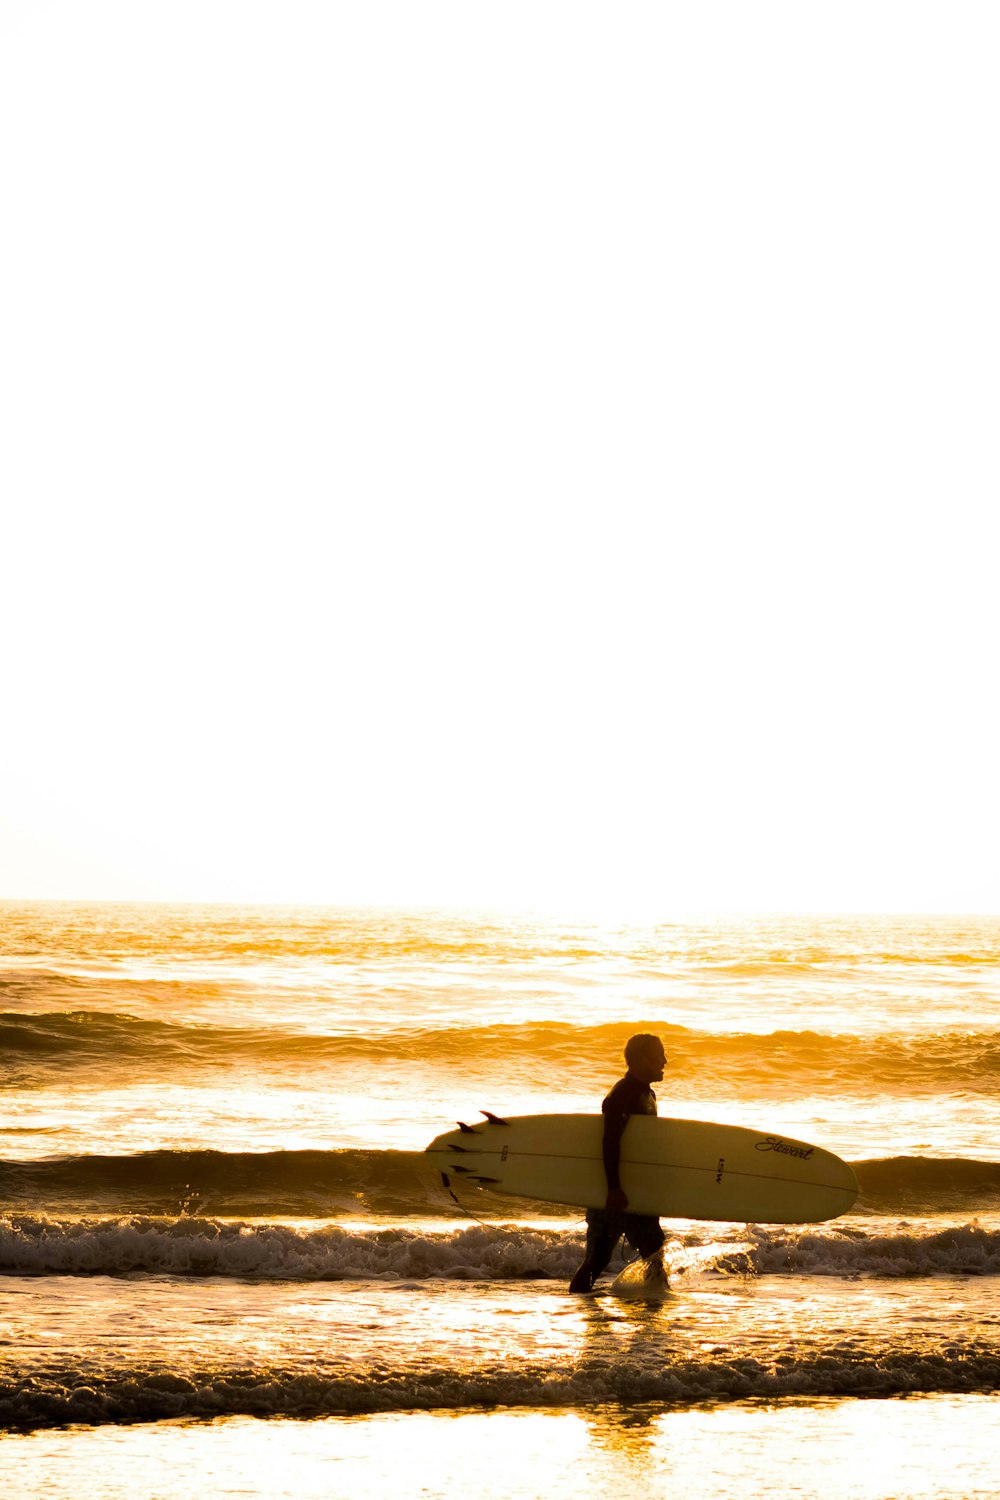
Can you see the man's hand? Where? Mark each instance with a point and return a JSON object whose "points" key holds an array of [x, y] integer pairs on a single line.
{"points": [[617, 1201]]}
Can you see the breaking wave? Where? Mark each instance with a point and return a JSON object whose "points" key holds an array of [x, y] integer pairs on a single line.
{"points": [[37, 1245], [32, 1245], [143, 1394]]}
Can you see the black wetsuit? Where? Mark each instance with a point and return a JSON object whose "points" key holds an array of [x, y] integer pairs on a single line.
{"points": [[628, 1097]]}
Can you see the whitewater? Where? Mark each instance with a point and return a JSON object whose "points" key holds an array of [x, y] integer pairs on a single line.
{"points": [[215, 1205]]}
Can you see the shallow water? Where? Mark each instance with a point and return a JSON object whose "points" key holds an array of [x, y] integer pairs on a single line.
{"points": [[827, 1449]]}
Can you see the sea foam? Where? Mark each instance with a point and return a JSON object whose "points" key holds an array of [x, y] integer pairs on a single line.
{"points": [[145, 1393], [36, 1245]]}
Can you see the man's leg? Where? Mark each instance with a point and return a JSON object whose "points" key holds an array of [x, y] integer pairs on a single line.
{"points": [[644, 1233], [604, 1230]]}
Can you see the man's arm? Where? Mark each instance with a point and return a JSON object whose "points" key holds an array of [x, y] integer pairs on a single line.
{"points": [[614, 1128]]}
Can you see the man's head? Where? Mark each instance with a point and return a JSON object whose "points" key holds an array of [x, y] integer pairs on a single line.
{"points": [[646, 1057]]}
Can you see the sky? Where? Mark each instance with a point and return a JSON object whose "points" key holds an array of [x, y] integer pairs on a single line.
{"points": [[525, 455]]}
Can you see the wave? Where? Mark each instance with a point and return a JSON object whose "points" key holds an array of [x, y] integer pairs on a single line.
{"points": [[333, 1184], [37, 1245], [298, 1184], [36, 1045], [147, 1394], [927, 1184], [33, 1245], [966, 1250]]}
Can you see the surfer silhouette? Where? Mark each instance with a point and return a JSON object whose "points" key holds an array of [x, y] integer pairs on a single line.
{"points": [[632, 1095]]}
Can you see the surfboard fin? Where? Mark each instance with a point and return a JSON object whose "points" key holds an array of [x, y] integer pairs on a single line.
{"points": [[493, 1119], [486, 1179], [468, 1130]]}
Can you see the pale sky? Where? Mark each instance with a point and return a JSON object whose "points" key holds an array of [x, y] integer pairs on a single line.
{"points": [[500, 454]]}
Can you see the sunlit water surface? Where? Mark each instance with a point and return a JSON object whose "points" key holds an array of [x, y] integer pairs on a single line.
{"points": [[214, 1208]]}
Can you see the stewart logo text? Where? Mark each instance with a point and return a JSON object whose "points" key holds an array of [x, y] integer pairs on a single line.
{"points": [[775, 1143]]}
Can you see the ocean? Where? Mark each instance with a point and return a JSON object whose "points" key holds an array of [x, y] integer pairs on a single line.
{"points": [[227, 1264]]}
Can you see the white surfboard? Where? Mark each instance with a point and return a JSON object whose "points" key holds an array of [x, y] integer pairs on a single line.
{"points": [[680, 1169]]}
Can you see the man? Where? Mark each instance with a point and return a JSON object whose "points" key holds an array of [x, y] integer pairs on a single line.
{"points": [[631, 1095]]}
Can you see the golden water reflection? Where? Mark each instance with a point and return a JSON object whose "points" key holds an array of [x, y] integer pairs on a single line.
{"points": [[828, 1449]]}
